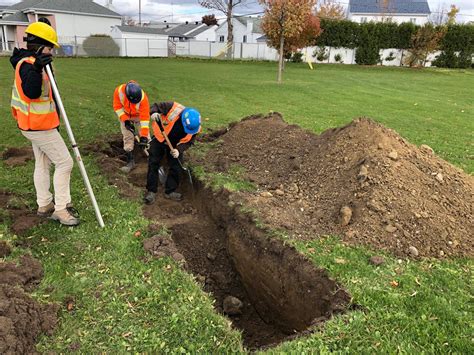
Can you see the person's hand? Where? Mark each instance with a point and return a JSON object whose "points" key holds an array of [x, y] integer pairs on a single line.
{"points": [[175, 153], [143, 142], [41, 61], [155, 116], [129, 125]]}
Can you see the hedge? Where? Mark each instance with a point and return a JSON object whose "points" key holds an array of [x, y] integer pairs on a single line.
{"points": [[457, 46]]}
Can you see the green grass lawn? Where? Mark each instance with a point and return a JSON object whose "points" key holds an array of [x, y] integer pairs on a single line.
{"points": [[123, 304]]}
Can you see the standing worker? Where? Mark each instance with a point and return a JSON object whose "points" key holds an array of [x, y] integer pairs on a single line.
{"points": [[34, 109], [180, 125], [133, 110]]}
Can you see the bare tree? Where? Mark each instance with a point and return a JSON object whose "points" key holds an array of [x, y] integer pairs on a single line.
{"points": [[227, 8], [440, 16]]}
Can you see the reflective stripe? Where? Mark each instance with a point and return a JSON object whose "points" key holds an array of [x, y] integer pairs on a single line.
{"points": [[42, 108], [145, 124], [175, 113], [120, 112]]}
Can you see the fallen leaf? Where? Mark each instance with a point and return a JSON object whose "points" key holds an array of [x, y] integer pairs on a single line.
{"points": [[138, 234], [311, 250], [70, 306], [340, 261], [394, 283]]}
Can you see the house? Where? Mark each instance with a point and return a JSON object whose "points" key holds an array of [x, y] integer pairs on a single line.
{"points": [[398, 11], [192, 31], [73, 20], [246, 30], [137, 41]]}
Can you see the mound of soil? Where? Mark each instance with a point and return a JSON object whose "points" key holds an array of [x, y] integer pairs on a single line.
{"points": [[17, 214], [17, 156], [5, 249], [22, 319], [362, 181]]}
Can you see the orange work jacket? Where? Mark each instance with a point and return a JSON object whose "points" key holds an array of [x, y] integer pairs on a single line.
{"points": [[125, 110], [33, 114]]}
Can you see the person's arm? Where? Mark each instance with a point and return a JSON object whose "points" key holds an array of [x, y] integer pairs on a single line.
{"points": [[31, 81], [144, 115], [118, 107], [161, 108]]}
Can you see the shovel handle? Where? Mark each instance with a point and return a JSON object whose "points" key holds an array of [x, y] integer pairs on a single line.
{"points": [[164, 134]]}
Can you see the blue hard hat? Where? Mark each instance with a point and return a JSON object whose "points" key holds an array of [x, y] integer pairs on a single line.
{"points": [[191, 119], [134, 93]]}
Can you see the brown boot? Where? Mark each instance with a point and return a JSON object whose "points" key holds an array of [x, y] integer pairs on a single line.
{"points": [[130, 163], [65, 217], [45, 211]]}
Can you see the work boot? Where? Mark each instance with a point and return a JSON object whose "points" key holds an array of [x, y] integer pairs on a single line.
{"points": [[130, 163], [45, 211], [66, 217], [175, 196], [149, 197]]}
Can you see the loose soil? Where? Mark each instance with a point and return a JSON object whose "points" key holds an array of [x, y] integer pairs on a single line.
{"points": [[362, 182], [280, 294], [13, 157], [22, 319], [15, 213]]}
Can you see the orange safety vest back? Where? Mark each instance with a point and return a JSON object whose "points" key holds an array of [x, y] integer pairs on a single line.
{"points": [[168, 122], [33, 114]]}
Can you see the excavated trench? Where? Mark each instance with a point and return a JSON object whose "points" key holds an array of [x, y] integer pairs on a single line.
{"points": [[267, 289]]}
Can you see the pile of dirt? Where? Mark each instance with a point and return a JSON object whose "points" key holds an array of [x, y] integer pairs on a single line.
{"points": [[362, 181], [17, 214], [13, 157], [22, 319]]}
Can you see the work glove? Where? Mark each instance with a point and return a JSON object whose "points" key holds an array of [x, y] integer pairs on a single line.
{"points": [[175, 153], [130, 126], [41, 61], [155, 116], [143, 142]]}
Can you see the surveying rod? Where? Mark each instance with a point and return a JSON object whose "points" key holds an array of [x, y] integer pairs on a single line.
{"points": [[75, 149]]}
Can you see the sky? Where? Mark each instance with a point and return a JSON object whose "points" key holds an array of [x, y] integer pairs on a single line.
{"points": [[190, 10]]}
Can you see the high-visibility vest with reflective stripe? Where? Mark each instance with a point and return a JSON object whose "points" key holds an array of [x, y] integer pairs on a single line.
{"points": [[33, 114], [133, 111], [168, 122]]}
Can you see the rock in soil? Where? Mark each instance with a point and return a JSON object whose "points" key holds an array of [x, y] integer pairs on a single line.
{"points": [[345, 215], [232, 306], [413, 251]]}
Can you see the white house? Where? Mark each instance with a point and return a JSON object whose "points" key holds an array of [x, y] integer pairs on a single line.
{"points": [[74, 20], [137, 41], [246, 30], [398, 11], [192, 31]]}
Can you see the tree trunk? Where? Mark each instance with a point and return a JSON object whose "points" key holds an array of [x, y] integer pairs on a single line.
{"points": [[230, 31], [280, 63]]}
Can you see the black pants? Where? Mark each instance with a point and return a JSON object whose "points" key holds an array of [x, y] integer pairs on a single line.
{"points": [[157, 151]]}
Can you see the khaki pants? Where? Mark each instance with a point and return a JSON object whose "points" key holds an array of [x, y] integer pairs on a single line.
{"points": [[49, 147], [128, 137]]}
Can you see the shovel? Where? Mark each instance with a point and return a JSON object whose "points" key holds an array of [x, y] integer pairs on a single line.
{"points": [[179, 161]]}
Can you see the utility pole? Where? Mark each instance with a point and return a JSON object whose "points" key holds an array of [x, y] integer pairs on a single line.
{"points": [[139, 12], [172, 13]]}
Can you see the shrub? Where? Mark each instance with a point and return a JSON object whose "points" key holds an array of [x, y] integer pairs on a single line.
{"points": [[297, 57], [100, 45], [338, 58], [320, 54]]}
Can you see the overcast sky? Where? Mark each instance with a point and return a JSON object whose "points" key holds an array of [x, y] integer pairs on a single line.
{"points": [[189, 10]]}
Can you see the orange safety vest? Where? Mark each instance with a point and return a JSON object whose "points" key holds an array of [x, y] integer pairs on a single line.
{"points": [[33, 114], [125, 110], [168, 122]]}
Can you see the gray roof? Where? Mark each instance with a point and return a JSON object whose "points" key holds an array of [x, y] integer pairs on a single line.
{"points": [[389, 6], [80, 6], [136, 29], [16, 17], [188, 30]]}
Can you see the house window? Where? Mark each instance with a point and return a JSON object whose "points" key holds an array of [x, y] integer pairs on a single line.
{"points": [[363, 19], [245, 38], [413, 19], [221, 39]]}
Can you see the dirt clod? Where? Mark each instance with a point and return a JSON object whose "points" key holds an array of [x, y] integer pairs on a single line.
{"points": [[413, 251], [160, 247], [5, 249], [377, 260]]}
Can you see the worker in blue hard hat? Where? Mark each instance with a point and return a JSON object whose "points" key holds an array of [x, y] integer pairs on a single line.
{"points": [[174, 128]]}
